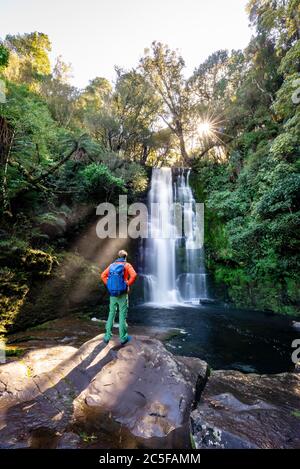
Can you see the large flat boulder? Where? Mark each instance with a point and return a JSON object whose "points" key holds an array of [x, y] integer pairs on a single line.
{"points": [[239, 410], [138, 395]]}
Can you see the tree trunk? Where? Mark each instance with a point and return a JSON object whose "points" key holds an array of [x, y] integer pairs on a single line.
{"points": [[179, 132], [6, 202], [6, 141], [144, 156], [36, 182]]}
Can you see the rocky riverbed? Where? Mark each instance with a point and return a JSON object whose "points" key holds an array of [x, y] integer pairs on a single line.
{"points": [[82, 394], [238, 410]]}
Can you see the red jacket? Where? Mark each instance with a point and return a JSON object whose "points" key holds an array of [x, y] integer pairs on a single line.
{"points": [[129, 274]]}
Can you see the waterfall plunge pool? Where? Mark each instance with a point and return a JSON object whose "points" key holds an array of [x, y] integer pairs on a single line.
{"points": [[225, 337]]}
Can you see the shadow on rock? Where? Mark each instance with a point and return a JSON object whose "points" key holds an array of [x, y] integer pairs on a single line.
{"points": [[99, 396]]}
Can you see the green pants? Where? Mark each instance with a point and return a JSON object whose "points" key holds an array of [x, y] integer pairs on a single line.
{"points": [[120, 302]]}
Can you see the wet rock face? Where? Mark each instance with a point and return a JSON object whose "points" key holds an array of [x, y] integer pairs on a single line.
{"points": [[146, 390], [20, 266], [99, 396], [239, 410]]}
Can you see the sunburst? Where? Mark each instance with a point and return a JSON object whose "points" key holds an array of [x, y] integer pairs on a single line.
{"points": [[204, 129], [209, 127]]}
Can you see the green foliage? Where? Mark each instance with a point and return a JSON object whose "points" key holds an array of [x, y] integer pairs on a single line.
{"points": [[32, 50], [14, 351], [252, 196], [134, 176], [13, 291], [291, 61], [76, 280], [98, 182], [163, 70], [4, 56], [20, 265], [279, 198], [33, 136], [16, 254], [39, 140], [284, 145], [87, 438]]}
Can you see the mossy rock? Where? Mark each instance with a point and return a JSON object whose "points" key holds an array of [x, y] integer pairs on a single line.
{"points": [[73, 282], [20, 267], [13, 291], [261, 294], [39, 263], [18, 255], [11, 351], [52, 224]]}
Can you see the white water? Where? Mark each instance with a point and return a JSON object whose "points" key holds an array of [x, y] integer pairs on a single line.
{"points": [[174, 270]]}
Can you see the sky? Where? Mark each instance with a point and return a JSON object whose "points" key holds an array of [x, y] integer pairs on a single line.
{"points": [[96, 35]]}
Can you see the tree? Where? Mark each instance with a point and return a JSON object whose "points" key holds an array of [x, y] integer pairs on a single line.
{"points": [[94, 109], [4, 56], [96, 93], [213, 88], [163, 68], [121, 119], [252, 196], [98, 182], [279, 18], [136, 112], [59, 94], [30, 56]]}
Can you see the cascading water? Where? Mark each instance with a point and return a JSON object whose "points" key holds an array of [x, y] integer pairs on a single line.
{"points": [[192, 283], [173, 267], [160, 265]]}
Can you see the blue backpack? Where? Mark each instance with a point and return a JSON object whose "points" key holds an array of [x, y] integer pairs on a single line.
{"points": [[116, 284]]}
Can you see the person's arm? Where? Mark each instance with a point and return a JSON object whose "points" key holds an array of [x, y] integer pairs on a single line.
{"points": [[130, 274], [104, 275]]}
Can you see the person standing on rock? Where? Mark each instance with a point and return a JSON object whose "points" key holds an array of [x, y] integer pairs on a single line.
{"points": [[118, 277]]}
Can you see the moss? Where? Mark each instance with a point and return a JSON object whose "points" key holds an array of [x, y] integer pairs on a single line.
{"points": [[192, 441], [14, 351], [16, 254], [245, 290], [37, 286], [87, 438], [20, 267], [13, 291], [23, 339], [84, 316], [171, 335], [38, 263], [43, 327], [52, 224], [72, 283], [235, 281]]}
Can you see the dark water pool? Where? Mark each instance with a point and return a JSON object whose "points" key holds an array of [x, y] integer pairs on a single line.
{"points": [[226, 338]]}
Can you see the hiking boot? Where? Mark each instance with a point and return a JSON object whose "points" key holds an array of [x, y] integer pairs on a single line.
{"points": [[127, 340], [105, 340]]}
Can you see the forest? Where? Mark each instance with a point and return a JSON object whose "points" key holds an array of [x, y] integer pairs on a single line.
{"points": [[235, 122]]}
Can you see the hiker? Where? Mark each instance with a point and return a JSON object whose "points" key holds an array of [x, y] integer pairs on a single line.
{"points": [[118, 277]]}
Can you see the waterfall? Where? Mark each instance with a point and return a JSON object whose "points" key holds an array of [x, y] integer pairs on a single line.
{"points": [[173, 267]]}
